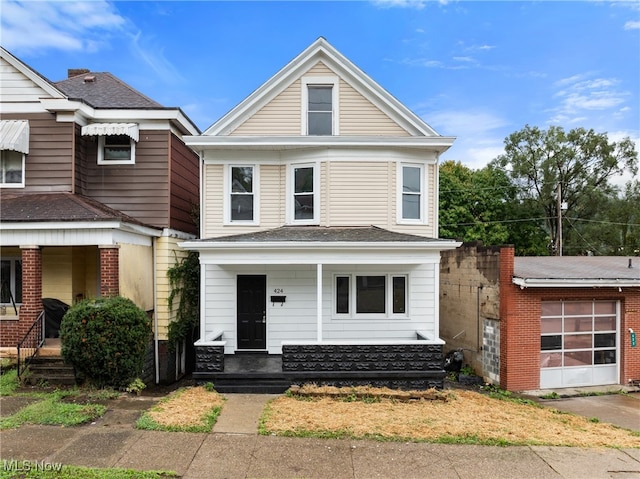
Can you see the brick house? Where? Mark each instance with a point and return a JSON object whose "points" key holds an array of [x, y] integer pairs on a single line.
{"points": [[96, 189], [531, 323]]}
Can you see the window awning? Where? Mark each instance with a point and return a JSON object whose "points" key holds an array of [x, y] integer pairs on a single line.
{"points": [[103, 129], [14, 135]]}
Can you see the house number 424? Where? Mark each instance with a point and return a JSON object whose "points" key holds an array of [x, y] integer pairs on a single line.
{"points": [[278, 290]]}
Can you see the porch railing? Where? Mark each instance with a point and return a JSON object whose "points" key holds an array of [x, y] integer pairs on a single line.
{"points": [[32, 341]]}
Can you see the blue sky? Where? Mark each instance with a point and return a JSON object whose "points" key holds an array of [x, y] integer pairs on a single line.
{"points": [[471, 69]]}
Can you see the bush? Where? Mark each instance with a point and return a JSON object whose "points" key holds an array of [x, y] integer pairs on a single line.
{"points": [[106, 340]]}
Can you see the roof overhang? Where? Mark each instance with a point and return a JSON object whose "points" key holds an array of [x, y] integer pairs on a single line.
{"points": [[14, 135], [575, 283], [203, 142], [104, 129], [76, 233], [314, 252]]}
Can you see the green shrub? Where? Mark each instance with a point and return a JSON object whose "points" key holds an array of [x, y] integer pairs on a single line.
{"points": [[106, 340]]}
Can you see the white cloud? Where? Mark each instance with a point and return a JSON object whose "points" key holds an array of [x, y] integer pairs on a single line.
{"points": [[581, 95], [417, 4], [465, 124], [634, 25], [69, 26]]}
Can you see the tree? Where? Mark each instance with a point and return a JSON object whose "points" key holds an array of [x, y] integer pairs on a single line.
{"points": [[581, 162]]}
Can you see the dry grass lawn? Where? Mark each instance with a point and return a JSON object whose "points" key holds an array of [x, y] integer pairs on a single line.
{"points": [[185, 409], [465, 417]]}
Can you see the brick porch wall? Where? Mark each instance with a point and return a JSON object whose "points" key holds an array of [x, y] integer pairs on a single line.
{"points": [[13, 331], [109, 271]]}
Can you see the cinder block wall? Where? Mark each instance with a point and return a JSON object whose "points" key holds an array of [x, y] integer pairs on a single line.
{"points": [[469, 297]]}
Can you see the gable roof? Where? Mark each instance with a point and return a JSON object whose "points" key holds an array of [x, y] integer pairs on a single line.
{"points": [[576, 271], [321, 50], [104, 90], [31, 74]]}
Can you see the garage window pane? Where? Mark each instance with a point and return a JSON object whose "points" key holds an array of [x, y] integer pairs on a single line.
{"points": [[575, 325], [578, 308], [551, 308], [550, 360], [604, 340], [604, 357], [550, 325], [551, 342], [577, 358], [577, 341], [607, 323], [605, 307]]}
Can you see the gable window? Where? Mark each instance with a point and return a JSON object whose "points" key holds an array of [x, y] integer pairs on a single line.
{"points": [[14, 146], [116, 142], [11, 277], [370, 295], [411, 192], [320, 106], [241, 194]]}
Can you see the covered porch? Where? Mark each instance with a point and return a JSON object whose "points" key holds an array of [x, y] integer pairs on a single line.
{"points": [[340, 306]]}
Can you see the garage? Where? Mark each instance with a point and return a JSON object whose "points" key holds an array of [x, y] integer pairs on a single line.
{"points": [[579, 343]]}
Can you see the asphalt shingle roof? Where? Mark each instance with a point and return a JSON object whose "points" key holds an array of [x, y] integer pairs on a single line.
{"points": [[322, 233], [57, 207], [104, 90], [577, 267]]}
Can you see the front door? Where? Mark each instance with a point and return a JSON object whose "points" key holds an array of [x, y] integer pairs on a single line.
{"points": [[252, 310]]}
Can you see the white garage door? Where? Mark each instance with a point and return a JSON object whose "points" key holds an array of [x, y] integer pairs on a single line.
{"points": [[579, 343]]}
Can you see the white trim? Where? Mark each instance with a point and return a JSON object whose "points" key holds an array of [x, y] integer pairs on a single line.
{"points": [[290, 192], [332, 81], [30, 74], [132, 153], [576, 283], [319, 304], [104, 129], [388, 297], [400, 192], [226, 188], [14, 135]]}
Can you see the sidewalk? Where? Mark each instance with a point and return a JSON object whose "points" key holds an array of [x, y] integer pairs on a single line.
{"points": [[235, 450]]}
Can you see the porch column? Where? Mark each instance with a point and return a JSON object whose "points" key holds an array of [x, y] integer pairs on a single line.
{"points": [[31, 287], [319, 300], [109, 270]]}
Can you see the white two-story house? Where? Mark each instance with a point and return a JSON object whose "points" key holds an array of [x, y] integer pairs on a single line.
{"points": [[319, 209]]}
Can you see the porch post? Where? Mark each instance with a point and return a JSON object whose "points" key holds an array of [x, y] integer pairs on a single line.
{"points": [[319, 300], [109, 270], [31, 286]]}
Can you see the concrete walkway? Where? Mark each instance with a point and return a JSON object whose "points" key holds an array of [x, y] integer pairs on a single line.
{"points": [[235, 450]]}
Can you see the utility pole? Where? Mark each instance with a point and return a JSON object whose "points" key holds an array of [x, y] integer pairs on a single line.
{"points": [[559, 232]]}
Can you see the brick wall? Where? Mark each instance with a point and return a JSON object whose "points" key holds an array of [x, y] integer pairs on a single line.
{"points": [[13, 331], [109, 271]]}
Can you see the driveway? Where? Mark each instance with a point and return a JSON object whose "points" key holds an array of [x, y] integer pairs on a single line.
{"points": [[621, 410]]}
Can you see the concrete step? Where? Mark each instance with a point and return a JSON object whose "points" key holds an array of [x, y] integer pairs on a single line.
{"points": [[50, 369]]}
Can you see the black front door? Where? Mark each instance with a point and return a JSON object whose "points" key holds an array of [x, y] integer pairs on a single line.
{"points": [[252, 310]]}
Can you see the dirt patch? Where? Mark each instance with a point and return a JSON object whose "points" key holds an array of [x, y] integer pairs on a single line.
{"points": [[186, 407], [467, 415]]}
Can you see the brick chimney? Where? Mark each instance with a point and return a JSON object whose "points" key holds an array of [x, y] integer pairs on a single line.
{"points": [[74, 72]]}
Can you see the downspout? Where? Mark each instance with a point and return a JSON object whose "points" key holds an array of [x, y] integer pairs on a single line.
{"points": [[156, 355]]}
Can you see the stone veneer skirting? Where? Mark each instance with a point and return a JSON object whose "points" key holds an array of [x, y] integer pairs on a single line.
{"points": [[209, 359]]}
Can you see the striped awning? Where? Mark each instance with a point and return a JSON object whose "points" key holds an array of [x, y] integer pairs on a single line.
{"points": [[103, 129], [14, 135]]}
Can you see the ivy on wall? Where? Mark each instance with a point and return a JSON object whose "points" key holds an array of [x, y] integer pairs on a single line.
{"points": [[184, 280]]}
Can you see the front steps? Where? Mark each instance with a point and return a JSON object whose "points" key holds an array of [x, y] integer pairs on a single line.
{"points": [[49, 370]]}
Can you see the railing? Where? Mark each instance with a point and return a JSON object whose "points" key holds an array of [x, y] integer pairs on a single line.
{"points": [[32, 341]]}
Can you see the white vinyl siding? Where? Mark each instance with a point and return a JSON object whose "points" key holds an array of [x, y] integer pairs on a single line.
{"points": [[16, 87], [296, 318]]}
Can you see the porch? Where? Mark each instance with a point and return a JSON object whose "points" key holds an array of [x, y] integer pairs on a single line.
{"points": [[410, 365]]}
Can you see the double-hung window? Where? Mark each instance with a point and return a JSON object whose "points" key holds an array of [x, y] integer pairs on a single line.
{"points": [[303, 201], [116, 150], [411, 194], [242, 194], [320, 106], [370, 295], [11, 277]]}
